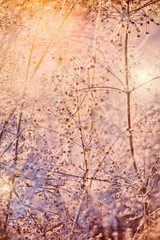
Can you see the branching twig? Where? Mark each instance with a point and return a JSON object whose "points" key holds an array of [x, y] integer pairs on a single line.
{"points": [[144, 83]]}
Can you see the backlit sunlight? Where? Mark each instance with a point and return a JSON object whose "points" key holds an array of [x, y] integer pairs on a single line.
{"points": [[5, 188]]}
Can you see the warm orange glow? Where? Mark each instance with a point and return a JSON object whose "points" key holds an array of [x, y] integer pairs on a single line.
{"points": [[5, 187], [44, 32], [41, 25]]}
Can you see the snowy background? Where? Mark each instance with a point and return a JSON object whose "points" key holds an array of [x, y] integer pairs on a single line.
{"points": [[66, 170]]}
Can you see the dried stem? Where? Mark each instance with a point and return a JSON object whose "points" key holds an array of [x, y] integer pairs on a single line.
{"points": [[6, 123], [9, 205], [129, 99]]}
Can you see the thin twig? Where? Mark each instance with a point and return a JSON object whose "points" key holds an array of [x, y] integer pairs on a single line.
{"points": [[144, 83], [144, 5], [6, 123]]}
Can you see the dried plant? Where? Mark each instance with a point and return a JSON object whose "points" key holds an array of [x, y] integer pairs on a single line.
{"points": [[79, 136]]}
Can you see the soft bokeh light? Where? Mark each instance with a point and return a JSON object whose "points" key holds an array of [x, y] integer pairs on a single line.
{"points": [[5, 187], [142, 76]]}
